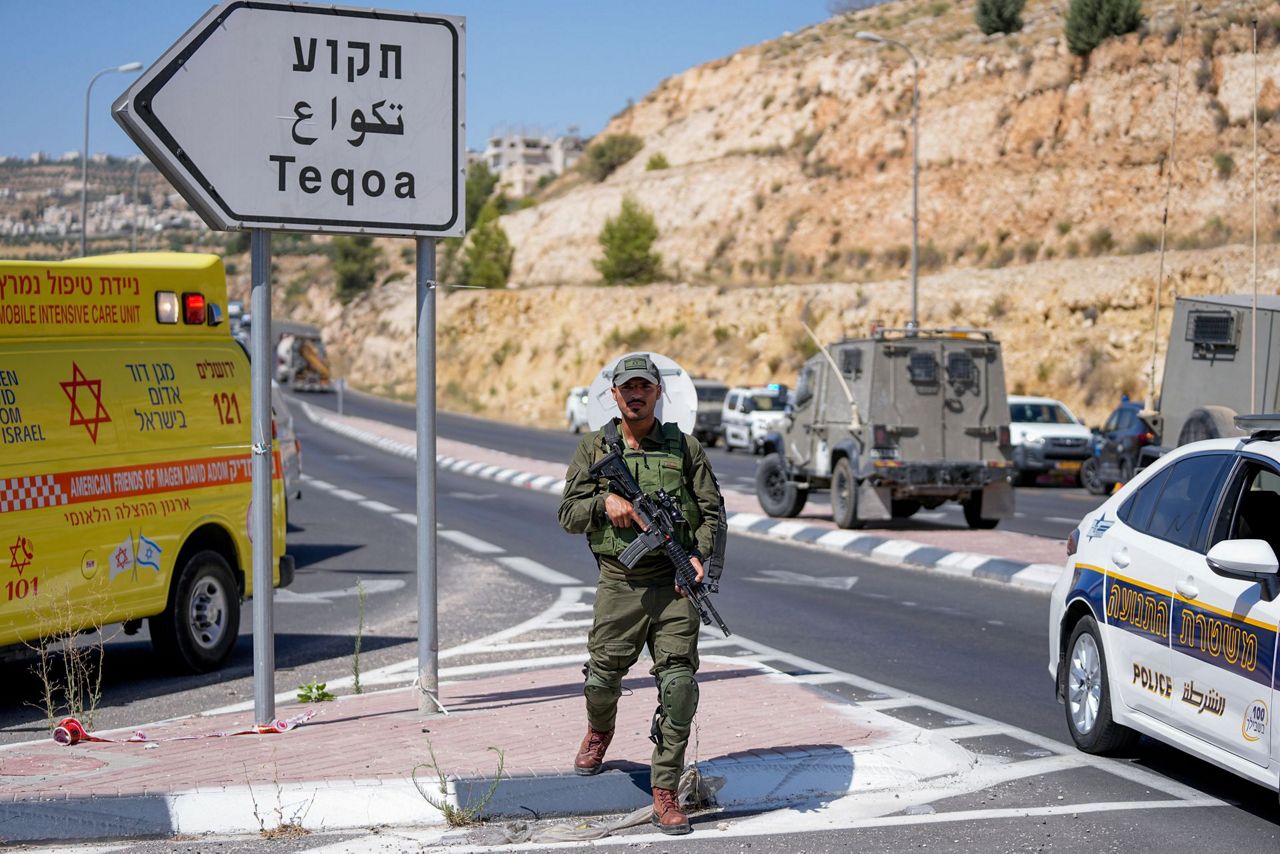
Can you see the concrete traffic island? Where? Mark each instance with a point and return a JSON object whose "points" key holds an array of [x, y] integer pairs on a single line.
{"points": [[365, 760]]}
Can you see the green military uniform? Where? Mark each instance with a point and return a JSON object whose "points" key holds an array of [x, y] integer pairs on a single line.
{"points": [[640, 606]]}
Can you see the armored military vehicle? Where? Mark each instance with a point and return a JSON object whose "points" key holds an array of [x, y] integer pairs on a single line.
{"points": [[892, 423], [1207, 371]]}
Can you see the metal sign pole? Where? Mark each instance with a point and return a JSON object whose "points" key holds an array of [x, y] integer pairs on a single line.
{"points": [[264, 654], [428, 631]]}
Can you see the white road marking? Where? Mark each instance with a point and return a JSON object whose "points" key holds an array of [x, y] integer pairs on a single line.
{"points": [[798, 579], [470, 543], [377, 506], [406, 517], [537, 571], [348, 495], [289, 596]]}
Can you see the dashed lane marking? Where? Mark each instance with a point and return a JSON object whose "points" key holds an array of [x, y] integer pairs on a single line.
{"points": [[537, 571], [470, 543]]}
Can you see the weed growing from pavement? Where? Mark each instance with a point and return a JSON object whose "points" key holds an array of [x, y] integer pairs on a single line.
{"points": [[290, 829], [69, 670], [355, 658], [453, 815], [314, 692]]}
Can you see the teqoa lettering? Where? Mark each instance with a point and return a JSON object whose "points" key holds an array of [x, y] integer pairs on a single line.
{"points": [[342, 182]]}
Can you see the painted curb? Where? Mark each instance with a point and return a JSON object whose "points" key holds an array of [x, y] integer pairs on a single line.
{"points": [[751, 781], [1035, 577]]}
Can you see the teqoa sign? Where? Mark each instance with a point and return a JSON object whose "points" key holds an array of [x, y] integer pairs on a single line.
{"points": [[292, 117]]}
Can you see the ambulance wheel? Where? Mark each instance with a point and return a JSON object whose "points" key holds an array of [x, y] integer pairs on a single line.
{"points": [[778, 495], [844, 495], [199, 627], [1088, 695]]}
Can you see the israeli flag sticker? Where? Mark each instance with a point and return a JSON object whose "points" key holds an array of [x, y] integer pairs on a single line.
{"points": [[148, 552]]}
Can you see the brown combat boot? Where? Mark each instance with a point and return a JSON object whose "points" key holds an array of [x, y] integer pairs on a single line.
{"points": [[667, 815], [590, 758]]}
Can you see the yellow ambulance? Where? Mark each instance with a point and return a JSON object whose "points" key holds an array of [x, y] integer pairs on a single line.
{"points": [[125, 473]]}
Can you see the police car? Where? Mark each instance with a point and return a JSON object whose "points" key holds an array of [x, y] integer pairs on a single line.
{"points": [[1164, 620]]}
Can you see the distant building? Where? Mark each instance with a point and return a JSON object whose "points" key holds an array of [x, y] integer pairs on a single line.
{"points": [[521, 160]]}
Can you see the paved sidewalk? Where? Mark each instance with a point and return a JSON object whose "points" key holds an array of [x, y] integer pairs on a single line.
{"points": [[354, 765], [1022, 560]]}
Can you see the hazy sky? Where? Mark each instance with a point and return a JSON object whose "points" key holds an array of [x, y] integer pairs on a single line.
{"points": [[534, 64]]}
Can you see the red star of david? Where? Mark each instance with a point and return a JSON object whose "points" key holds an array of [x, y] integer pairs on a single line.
{"points": [[20, 554], [94, 387], [122, 558]]}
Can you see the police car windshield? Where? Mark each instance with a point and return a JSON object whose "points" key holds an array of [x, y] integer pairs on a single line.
{"points": [[1039, 413]]}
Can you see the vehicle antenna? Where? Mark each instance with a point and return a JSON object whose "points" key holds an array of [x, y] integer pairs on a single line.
{"points": [[855, 418], [1253, 350], [1149, 404]]}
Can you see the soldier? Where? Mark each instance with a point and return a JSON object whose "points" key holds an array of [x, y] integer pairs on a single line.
{"points": [[642, 606]]}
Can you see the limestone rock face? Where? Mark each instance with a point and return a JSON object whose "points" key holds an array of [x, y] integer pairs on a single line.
{"points": [[791, 159]]}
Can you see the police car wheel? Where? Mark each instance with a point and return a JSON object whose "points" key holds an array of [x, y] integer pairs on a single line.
{"points": [[778, 495], [201, 623], [1088, 697]]}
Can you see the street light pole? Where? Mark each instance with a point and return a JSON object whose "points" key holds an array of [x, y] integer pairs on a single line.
{"points": [[84, 153], [915, 170], [133, 229]]}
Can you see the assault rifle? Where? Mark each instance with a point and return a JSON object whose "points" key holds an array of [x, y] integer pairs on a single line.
{"points": [[660, 515]]}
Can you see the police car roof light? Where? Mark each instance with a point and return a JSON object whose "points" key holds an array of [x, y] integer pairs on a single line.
{"points": [[166, 307], [193, 312]]}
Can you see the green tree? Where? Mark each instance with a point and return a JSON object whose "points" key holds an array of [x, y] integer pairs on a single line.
{"points": [[480, 184], [356, 264], [656, 162], [999, 16], [1090, 22], [604, 156], [487, 262], [627, 240]]}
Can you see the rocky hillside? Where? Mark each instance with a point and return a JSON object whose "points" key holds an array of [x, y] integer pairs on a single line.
{"points": [[790, 161], [1042, 187]]}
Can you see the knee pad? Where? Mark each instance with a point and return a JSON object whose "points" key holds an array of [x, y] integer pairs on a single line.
{"points": [[598, 688], [678, 694]]}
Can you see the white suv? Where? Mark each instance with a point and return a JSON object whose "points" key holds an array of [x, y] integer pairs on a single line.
{"points": [[1046, 437], [575, 408], [749, 413], [1164, 620]]}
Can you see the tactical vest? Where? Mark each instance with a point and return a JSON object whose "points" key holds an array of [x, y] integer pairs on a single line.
{"points": [[653, 470]]}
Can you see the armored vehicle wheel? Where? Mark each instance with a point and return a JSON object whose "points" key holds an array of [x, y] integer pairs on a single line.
{"points": [[1209, 422], [1091, 480], [778, 495], [844, 495], [973, 513], [904, 508], [201, 623]]}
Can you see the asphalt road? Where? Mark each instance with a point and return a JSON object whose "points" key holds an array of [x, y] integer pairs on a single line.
{"points": [[1049, 509]]}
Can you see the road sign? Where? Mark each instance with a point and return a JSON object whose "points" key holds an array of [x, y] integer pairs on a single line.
{"points": [[292, 117]]}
